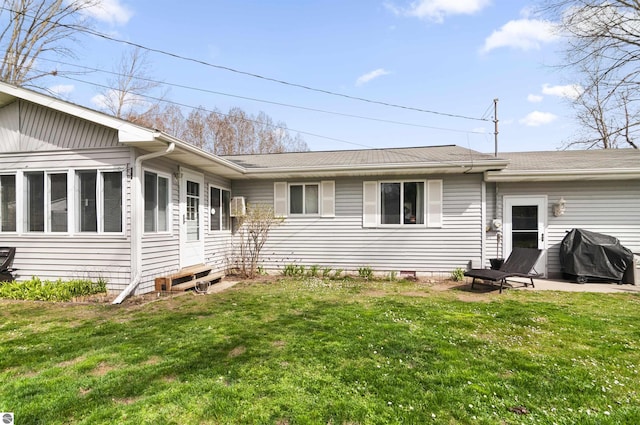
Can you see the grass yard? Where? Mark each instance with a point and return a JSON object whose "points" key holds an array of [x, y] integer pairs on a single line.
{"points": [[308, 351]]}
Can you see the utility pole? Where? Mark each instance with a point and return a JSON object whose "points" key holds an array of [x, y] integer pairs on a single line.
{"points": [[495, 122]]}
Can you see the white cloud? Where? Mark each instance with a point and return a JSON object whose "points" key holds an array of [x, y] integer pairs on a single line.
{"points": [[534, 98], [61, 89], [110, 11], [436, 10], [107, 101], [524, 34], [537, 118], [363, 79], [571, 91]]}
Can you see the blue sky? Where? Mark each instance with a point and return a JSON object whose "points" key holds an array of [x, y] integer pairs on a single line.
{"points": [[449, 57]]}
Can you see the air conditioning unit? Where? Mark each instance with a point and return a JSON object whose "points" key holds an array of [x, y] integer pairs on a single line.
{"points": [[7, 418], [238, 206]]}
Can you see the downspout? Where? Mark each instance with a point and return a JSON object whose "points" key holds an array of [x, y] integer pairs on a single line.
{"points": [[137, 223], [483, 227]]}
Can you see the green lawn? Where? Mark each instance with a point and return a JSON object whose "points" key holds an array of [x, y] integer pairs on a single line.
{"points": [[309, 351]]}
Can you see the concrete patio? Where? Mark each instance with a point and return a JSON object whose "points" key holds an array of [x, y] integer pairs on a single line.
{"points": [[572, 286]]}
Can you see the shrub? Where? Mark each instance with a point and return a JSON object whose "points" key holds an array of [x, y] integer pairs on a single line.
{"points": [[365, 272], [37, 290], [457, 275]]}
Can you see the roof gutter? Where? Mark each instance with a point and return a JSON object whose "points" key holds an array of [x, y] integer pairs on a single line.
{"points": [[405, 168], [550, 175], [137, 223]]}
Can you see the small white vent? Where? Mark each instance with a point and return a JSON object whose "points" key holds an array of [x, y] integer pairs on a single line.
{"points": [[238, 206]]}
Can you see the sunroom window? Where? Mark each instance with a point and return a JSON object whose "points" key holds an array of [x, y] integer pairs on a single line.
{"points": [[8, 203], [99, 201]]}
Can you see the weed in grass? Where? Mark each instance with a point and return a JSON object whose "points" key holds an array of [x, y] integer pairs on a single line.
{"points": [[326, 272], [457, 275], [314, 271], [365, 272]]}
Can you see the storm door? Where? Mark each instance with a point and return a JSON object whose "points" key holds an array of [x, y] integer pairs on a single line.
{"points": [[191, 219], [525, 221]]}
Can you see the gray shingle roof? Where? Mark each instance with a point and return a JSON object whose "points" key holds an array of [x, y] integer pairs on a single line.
{"points": [[600, 159], [428, 154]]}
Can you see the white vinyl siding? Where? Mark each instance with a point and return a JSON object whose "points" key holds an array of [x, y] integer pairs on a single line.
{"points": [[609, 207], [343, 242], [67, 255], [27, 127]]}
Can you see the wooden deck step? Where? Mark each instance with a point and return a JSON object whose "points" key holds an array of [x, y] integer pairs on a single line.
{"points": [[186, 278], [195, 282]]}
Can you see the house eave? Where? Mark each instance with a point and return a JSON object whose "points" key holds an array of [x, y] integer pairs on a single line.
{"points": [[561, 175], [370, 170], [184, 153]]}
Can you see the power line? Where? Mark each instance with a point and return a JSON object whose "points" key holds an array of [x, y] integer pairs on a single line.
{"points": [[250, 74], [157, 99], [305, 108]]}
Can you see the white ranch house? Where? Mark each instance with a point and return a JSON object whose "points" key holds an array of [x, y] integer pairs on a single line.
{"points": [[83, 194]]}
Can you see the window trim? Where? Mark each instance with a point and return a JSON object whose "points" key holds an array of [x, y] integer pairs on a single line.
{"points": [[326, 199], [304, 199], [221, 189], [99, 201], [17, 209], [402, 224], [169, 220], [372, 204], [22, 200]]}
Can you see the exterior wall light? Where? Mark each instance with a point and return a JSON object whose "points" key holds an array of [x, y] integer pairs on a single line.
{"points": [[559, 207]]}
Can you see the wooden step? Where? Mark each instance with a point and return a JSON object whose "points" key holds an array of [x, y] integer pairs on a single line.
{"points": [[186, 278], [195, 282]]}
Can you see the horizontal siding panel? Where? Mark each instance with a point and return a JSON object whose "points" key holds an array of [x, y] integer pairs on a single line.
{"points": [[342, 242], [607, 207]]}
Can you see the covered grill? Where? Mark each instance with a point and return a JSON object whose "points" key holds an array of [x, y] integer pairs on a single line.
{"points": [[588, 255]]}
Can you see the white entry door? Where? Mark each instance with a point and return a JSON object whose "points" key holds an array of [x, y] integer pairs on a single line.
{"points": [[525, 224], [191, 218]]}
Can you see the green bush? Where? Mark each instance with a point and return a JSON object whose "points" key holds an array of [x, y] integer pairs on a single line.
{"points": [[457, 275], [365, 272], [37, 290]]}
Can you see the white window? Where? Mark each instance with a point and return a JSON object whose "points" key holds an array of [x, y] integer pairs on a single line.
{"points": [[402, 203], [99, 201], [45, 198], [300, 199], [220, 207], [156, 202], [303, 199], [8, 203]]}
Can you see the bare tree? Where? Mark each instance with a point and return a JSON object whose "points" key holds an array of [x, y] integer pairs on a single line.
{"points": [[131, 83], [30, 28], [235, 132], [252, 234], [607, 116], [603, 49]]}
